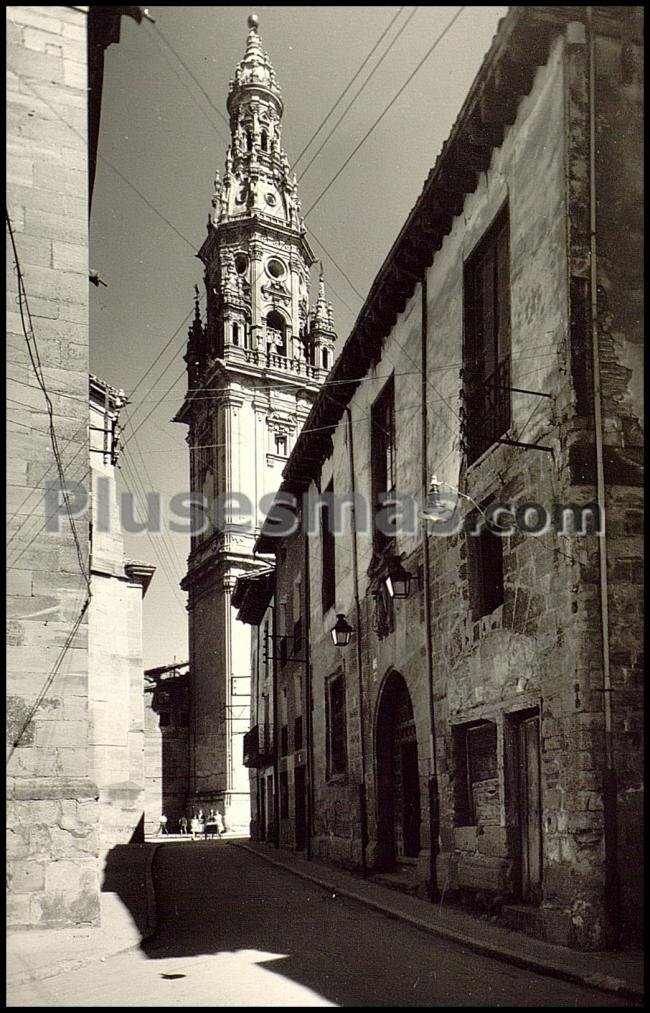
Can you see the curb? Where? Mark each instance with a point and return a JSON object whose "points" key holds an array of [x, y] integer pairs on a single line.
{"points": [[601, 983]]}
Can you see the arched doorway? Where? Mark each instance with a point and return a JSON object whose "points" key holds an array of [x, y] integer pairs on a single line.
{"points": [[398, 779]]}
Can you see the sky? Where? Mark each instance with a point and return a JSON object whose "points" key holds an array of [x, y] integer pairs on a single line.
{"points": [[161, 141]]}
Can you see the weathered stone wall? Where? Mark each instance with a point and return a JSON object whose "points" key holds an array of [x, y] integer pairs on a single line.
{"points": [[167, 754], [619, 229], [290, 605], [52, 811], [261, 688], [115, 657], [540, 650]]}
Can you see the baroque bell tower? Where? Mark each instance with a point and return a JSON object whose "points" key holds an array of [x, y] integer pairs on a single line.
{"points": [[254, 367]]}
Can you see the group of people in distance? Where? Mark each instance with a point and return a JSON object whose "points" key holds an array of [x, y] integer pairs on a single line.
{"points": [[212, 825]]}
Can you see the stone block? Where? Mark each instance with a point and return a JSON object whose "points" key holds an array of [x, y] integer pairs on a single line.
{"points": [[465, 839], [25, 876], [481, 873], [35, 17], [53, 226], [46, 283], [493, 842], [19, 910], [74, 74], [43, 40], [34, 66], [70, 257]]}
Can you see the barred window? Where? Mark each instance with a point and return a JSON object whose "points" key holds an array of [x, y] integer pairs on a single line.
{"points": [[382, 442], [337, 758], [486, 344]]}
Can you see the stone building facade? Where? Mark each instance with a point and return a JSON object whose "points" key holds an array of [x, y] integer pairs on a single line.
{"points": [[115, 653], [55, 840], [254, 368], [167, 756], [481, 736]]}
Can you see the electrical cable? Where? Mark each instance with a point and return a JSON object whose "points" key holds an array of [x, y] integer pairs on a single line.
{"points": [[347, 88], [386, 109], [358, 92], [32, 347]]}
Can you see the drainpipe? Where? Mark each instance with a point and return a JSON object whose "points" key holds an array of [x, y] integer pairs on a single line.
{"points": [[276, 730], [308, 700], [434, 800], [363, 808], [609, 786]]}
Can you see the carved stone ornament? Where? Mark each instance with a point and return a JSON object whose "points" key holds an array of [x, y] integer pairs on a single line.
{"points": [[276, 290]]}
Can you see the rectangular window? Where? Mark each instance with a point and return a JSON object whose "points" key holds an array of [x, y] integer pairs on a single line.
{"points": [[284, 795], [486, 344], [476, 782], [383, 464], [328, 548], [297, 637], [337, 758], [164, 719], [266, 725], [485, 558], [297, 733]]}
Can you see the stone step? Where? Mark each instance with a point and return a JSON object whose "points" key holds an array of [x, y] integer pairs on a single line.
{"points": [[403, 880], [526, 918]]}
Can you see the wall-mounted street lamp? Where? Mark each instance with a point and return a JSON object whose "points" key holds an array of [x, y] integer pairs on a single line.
{"points": [[341, 631], [397, 579]]}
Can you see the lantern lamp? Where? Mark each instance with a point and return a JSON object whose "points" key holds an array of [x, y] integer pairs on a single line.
{"points": [[341, 631], [397, 579]]}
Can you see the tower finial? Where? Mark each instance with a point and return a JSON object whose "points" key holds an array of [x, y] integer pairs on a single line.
{"points": [[253, 22], [197, 310]]}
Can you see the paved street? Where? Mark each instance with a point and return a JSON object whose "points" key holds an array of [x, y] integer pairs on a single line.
{"points": [[239, 932]]}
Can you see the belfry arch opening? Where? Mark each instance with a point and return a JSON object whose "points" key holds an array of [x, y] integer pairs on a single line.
{"points": [[276, 333], [398, 778]]}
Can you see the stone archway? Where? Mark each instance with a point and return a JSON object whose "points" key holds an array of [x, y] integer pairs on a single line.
{"points": [[398, 780]]}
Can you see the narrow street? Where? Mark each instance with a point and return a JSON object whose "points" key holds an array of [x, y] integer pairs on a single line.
{"points": [[235, 931]]}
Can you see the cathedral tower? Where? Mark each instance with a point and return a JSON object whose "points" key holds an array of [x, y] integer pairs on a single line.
{"points": [[254, 368]]}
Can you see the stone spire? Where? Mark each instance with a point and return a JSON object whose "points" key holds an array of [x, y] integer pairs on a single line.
{"points": [[323, 320], [258, 179], [255, 70], [195, 345]]}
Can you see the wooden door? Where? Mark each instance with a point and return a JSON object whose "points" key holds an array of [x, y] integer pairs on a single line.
{"points": [[529, 810], [300, 801], [410, 799], [261, 808]]}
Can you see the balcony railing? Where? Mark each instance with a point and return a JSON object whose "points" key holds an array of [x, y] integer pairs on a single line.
{"points": [[256, 754], [271, 360], [486, 412]]}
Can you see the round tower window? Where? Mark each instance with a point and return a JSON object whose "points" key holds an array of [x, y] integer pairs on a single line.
{"points": [[275, 268], [241, 263]]}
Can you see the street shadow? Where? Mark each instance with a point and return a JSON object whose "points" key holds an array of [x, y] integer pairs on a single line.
{"points": [[127, 894], [216, 899]]}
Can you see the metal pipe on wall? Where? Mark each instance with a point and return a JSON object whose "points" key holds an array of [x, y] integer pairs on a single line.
{"points": [[363, 806], [609, 786], [434, 799], [308, 698]]}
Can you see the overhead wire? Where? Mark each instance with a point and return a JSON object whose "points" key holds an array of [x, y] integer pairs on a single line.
{"points": [[35, 359], [359, 90], [386, 109], [347, 88]]}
